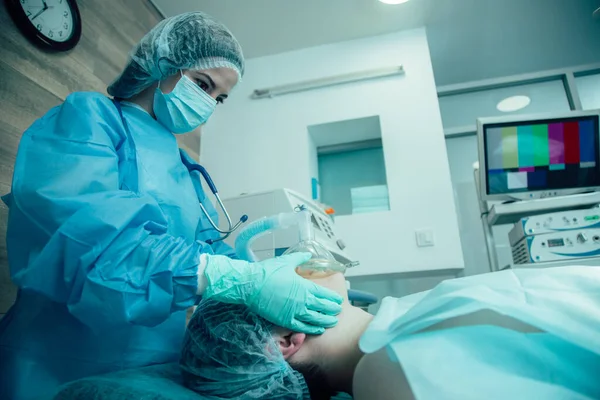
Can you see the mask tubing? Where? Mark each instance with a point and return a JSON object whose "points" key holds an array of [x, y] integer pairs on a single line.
{"points": [[247, 236]]}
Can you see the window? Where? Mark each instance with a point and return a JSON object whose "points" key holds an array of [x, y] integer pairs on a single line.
{"points": [[369, 199], [354, 181], [350, 165]]}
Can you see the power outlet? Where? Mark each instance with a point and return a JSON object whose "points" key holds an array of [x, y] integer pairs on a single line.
{"points": [[425, 238]]}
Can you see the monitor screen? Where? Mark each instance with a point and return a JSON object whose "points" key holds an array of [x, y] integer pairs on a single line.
{"points": [[541, 155]]}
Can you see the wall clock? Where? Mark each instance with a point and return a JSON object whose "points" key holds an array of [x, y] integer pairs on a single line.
{"points": [[51, 24]]}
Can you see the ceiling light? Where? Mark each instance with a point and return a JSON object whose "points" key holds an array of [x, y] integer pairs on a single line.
{"points": [[513, 103], [393, 1]]}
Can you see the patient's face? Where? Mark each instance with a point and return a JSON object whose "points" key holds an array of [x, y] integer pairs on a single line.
{"points": [[218, 338], [301, 348]]}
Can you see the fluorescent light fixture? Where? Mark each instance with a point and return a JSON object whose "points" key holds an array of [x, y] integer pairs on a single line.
{"points": [[596, 14], [513, 103], [325, 82], [393, 1]]}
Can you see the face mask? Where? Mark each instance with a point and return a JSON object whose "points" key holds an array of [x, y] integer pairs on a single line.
{"points": [[185, 108]]}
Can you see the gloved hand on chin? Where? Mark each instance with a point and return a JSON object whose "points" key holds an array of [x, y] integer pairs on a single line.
{"points": [[272, 289]]}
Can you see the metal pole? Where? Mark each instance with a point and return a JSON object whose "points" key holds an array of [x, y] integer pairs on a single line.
{"points": [[488, 232], [572, 91]]}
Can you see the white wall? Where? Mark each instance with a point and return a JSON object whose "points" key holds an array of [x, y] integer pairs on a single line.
{"points": [[253, 145], [347, 131]]}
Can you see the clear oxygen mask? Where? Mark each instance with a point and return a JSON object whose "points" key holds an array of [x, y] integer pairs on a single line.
{"points": [[321, 265]]}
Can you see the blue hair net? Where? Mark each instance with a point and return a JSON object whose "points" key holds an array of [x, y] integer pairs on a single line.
{"points": [[192, 40], [229, 353]]}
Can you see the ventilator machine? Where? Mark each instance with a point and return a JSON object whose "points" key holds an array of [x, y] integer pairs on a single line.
{"points": [[272, 216], [281, 222]]}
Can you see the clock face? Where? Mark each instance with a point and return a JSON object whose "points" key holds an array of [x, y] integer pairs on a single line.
{"points": [[54, 19]]}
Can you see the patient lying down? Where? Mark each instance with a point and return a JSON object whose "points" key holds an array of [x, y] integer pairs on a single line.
{"points": [[229, 351], [500, 335]]}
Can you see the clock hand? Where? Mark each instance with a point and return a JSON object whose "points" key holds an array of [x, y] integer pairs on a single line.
{"points": [[41, 12], [45, 5]]}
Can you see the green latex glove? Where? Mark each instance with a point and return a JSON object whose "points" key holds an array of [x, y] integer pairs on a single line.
{"points": [[273, 290]]}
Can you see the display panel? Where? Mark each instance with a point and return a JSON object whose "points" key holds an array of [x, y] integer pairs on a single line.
{"points": [[541, 155]]}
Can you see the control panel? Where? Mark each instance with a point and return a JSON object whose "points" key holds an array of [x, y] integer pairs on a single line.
{"points": [[555, 222], [558, 246]]}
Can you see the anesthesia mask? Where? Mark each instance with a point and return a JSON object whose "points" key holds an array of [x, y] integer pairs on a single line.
{"points": [[322, 263]]}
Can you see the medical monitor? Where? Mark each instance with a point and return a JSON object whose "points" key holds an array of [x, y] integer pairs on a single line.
{"points": [[532, 157]]}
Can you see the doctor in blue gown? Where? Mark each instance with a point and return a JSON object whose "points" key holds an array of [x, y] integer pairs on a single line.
{"points": [[106, 239]]}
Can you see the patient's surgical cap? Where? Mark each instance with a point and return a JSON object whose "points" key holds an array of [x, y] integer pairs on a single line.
{"points": [[191, 40], [229, 353]]}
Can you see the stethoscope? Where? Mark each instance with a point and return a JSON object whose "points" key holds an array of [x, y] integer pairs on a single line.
{"points": [[192, 166]]}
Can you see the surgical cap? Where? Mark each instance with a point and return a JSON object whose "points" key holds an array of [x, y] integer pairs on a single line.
{"points": [[191, 40], [230, 353]]}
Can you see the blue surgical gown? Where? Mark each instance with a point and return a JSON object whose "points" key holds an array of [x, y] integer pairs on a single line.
{"points": [[104, 238]]}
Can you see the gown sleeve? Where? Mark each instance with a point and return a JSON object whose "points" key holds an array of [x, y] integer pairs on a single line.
{"points": [[224, 249], [76, 236]]}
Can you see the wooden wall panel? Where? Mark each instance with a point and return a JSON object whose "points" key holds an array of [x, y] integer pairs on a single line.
{"points": [[32, 81]]}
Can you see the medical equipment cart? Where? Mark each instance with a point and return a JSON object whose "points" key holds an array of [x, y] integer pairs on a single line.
{"points": [[511, 212]]}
